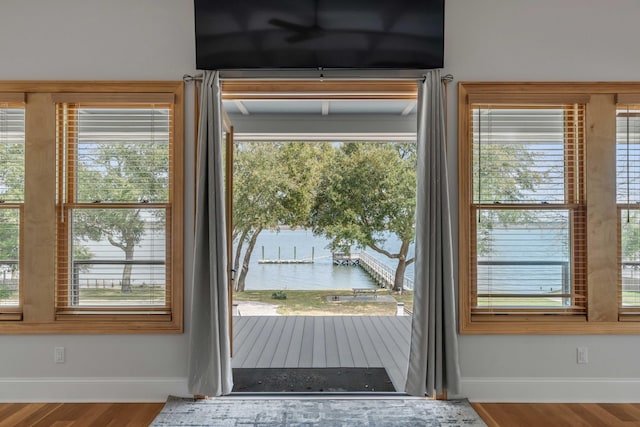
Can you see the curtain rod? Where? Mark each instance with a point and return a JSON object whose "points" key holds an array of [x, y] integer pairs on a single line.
{"points": [[447, 78]]}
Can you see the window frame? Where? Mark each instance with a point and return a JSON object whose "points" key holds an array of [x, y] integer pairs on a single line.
{"points": [[41, 212], [572, 204], [602, 282], [629, 312], [14, 312]]}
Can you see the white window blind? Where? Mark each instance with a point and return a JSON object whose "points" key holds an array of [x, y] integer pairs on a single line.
{"points": [[526, 205], [12, 146], [628, 199], [116, 167]]}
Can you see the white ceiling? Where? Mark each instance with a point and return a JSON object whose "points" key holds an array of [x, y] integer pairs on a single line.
{"points": [[318, 107]]}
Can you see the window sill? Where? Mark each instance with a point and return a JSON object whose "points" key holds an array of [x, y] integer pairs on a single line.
{"points": [[102, 323], [10, 316], [548, 324], [629, 316]]}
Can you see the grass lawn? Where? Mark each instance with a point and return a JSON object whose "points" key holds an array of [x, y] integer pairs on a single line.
{"points": [[298, 302], [315, 303], [631, 298], [520, 302], [138, 293]]}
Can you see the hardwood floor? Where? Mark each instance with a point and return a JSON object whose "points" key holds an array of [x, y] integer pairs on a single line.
{"points": [[494, 414], [78, 414], [559, 414]]}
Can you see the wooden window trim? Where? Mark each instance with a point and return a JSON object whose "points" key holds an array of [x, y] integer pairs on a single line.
{"points": [[529, 99], [13, 98], [243, 89], [625, 99], [603, 313], [113, 98], [38, 271]]}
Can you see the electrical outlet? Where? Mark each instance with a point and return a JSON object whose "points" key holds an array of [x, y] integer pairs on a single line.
{"points": [[582, 354], [58, 354]]}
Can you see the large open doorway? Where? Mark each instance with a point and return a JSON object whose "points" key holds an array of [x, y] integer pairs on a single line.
{"points": [[321, 304]]}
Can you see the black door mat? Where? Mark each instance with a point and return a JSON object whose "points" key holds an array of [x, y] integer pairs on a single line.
{"points": [[311, 380]]}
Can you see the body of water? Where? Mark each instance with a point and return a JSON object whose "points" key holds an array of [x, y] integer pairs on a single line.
{"points": [[506, 270], [509, 269], [322, 274], [526, 260]]}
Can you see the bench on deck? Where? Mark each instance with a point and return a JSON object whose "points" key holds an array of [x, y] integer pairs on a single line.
{"points": [[365, 291]]}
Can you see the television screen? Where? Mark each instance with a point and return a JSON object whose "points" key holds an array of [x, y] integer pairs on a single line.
{"points": [[319, 34]]}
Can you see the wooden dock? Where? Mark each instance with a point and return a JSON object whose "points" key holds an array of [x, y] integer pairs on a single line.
{"points": [[382, 274], [295, 259], [342, 258], [324, 342], [285, 261]]}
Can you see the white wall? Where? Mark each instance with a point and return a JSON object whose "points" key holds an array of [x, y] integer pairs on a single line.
{"points": [[543, 40], [99, 40], [512, 40]]}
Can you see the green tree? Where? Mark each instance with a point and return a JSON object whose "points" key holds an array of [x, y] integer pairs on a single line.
{"points": [[630, 234], [365, 193], [273, 184], [504, 174], [121, 172], [11, 186], [9, 241], [256, 206]]}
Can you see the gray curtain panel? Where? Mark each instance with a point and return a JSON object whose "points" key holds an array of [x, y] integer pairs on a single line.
{"points": [[209, 348], [433, 358]]}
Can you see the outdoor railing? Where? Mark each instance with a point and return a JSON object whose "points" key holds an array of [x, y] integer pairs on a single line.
{"points": [[9, 281], [565, 280], [78, 264], [381, 272], [631, 282]]}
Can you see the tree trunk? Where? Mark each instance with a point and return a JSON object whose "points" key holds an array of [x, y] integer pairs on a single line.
{"points": [[247, 258], [398, 281], [126, 271], [236, 260]]}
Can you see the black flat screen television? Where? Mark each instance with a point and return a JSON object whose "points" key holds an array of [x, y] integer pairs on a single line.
{"points": [[319, 34]]}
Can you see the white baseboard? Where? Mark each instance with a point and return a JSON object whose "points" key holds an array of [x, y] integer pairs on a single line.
{"points": [[567, 390], [476, 389], [128, 389]]}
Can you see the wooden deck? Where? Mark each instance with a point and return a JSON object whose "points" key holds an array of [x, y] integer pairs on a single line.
{"points": [[324, 342]]}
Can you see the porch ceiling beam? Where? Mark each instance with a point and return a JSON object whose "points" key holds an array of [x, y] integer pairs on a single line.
{"points": [[323, 90]]}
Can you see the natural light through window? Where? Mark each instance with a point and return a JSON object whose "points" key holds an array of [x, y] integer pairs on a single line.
{"points": [[628, 199], [524, 196], [324, 227], [12, 145], [117, 188]]}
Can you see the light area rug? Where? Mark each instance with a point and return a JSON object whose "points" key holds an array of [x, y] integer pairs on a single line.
{"points": [[261, 412]]}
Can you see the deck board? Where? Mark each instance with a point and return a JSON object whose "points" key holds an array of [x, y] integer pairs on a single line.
{"points": [[320, 342], [295, 347], [387, 348], [357, 352], [260, 344], [280, 354], [266, 357], [344, 351], [319, 359], [308, 343], [245, 347], [388, 351], [242, 326], [368, 345], [331, 344]]}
